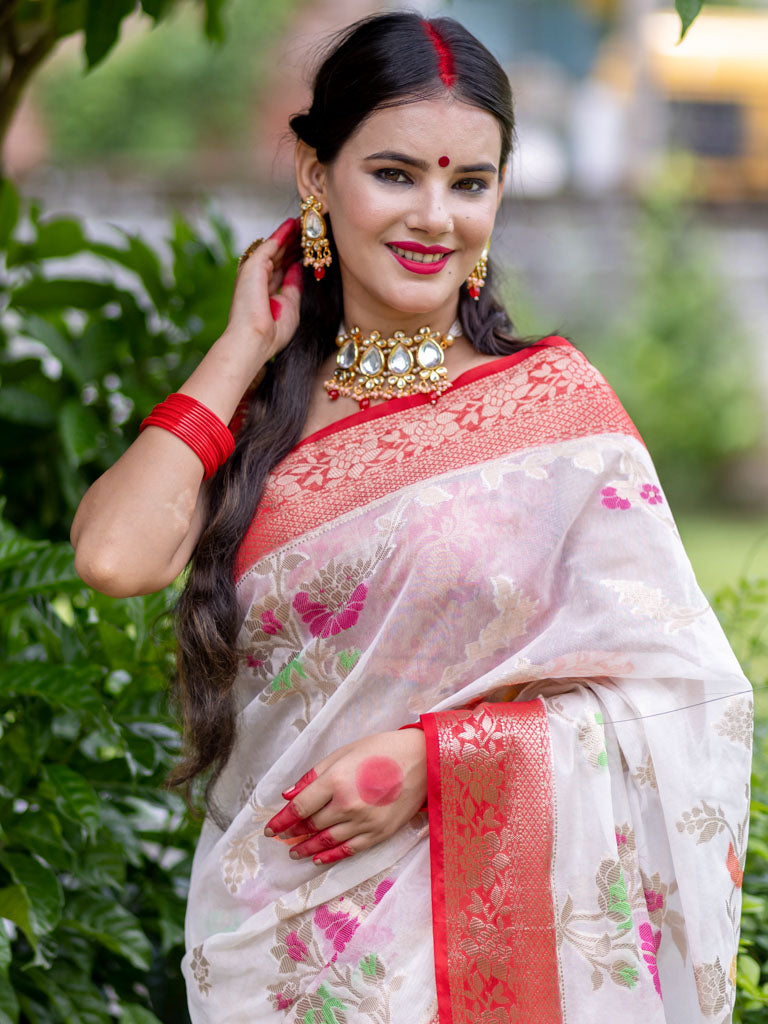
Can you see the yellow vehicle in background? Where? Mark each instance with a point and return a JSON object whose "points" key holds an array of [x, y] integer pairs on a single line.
{"points": [[712, 91]]}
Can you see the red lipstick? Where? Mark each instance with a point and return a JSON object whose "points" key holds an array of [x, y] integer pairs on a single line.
{"points": [[420, 266]]}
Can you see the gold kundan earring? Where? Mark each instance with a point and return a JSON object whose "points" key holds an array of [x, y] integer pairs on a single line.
{"points": [[317, 252], [476, 279]]}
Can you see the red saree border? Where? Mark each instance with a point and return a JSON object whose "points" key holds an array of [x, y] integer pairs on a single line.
{"points": [[491, 833], [542, 395], [395, 405]]}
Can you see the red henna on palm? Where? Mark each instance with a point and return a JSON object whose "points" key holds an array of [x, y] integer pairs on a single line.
{"points": [[379, 780], [275, 309], [282, 233]]}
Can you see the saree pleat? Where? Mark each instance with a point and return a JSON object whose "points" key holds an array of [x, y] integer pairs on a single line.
{"points": [[502, 567]]}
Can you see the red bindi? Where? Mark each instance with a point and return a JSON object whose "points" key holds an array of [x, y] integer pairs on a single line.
{"points": [[379, 780], [444, 161]]}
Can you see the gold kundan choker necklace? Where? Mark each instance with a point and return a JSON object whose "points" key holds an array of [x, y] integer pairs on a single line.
{"points": [[377, 367]]}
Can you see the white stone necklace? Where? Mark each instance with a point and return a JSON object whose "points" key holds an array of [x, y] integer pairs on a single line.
{"points": [[374, 367]]}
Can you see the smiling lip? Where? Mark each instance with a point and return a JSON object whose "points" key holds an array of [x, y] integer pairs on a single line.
{"points": [[432, 259]]}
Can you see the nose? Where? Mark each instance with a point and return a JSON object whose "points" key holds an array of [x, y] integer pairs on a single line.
{"points": [[430, 213]]}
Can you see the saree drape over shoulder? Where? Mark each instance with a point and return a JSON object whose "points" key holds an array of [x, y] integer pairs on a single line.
{"points": [[502, 566]]}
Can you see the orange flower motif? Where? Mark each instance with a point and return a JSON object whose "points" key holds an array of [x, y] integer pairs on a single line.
{"points": [[732, 863]]}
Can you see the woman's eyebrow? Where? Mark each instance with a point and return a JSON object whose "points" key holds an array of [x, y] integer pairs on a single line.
{"points": [[423, 165]]}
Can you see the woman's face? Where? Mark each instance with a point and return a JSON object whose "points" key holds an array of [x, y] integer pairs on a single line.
{"points": [[420, 176]]}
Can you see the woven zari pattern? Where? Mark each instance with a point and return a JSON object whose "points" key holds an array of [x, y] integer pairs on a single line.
{"points": [[491, 818], [542, 395]]}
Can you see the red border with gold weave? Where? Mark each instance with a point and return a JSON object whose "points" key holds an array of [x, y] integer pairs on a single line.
{"points": [[491, 822], [541, 395]]}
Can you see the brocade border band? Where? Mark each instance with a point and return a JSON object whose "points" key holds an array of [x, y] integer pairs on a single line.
{"points": [[491, 815]]}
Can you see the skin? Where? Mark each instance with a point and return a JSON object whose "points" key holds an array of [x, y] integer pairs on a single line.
{"points": [[125, 540]]}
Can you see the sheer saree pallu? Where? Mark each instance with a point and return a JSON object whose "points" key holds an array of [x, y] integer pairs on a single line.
{"points": [[503, 567]]}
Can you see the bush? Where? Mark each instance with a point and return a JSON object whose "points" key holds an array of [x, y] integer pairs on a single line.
{"points": [[677, 356], [108, 351], [94, 854]]}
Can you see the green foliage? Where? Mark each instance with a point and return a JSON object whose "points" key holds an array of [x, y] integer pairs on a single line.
{"points": [[94, 854], [165, 94], [677, 358], [743, 610], [109, 348]]}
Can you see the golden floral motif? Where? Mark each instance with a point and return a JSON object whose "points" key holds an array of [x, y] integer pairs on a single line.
{"points": [[200, 969], [711, 987], [736, 723]]}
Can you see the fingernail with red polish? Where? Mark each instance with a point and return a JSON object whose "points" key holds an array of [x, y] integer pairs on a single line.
{"points": [[276, 309], [290, 792]]}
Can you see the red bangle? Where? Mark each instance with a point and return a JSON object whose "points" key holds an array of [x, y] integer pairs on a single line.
{"points": [[195, 425], [412, 725]]}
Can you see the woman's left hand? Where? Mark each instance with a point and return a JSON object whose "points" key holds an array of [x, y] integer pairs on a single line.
{"points": [[356, 797]]}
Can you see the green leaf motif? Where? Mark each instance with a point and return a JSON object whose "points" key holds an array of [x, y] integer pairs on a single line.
{"points": [[282, 680], [368, 965], [41, 887], [619, 903], [348, 659], [629, 974]]}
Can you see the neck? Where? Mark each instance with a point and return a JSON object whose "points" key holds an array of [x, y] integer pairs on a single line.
{"points": [[441, 320]]}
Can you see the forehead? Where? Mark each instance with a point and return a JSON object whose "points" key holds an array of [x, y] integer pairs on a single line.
{"points": [[430, 128]]}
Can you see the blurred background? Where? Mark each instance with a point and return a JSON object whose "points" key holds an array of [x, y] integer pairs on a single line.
{"points": [[144, 147]]}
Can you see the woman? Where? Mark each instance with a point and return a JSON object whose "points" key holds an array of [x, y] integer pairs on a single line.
{"points": [[486, 556]]}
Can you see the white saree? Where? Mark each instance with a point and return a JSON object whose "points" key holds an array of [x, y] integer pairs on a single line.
{"points": [[504, 565]]}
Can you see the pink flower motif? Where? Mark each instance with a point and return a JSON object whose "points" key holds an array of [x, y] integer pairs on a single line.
{"points": [[651, 494], [270, 623], [283, 1003], [297, 950], [382, 889], [254, 662], [653, 900], [621, 839], [650, 943], [338, 927], [612, 500], [324, 622]]}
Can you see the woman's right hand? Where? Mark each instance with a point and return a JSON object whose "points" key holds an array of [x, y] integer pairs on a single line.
{"points": [[268, 290]]}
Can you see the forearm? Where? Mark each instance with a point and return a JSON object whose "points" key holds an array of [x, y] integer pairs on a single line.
{"points": [[137, 526]]}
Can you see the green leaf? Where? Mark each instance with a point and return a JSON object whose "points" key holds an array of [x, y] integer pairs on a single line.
{"points": [[39, 831], [57, 344], [79, 430], [102, 27], [66, 686], [73, 995], [5, 950], [41, 886], [688, 11], [60, 237], [52, 571], [62, 293], [142, 260], [73, 794], [133, 1013], [749, 968], [20, 406], [14, 906], [17, 549], [112, 926], [214, 27], [9, 210], [9, 1004]]}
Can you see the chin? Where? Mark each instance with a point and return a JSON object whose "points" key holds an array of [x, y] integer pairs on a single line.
{"points": [[411, 298]]}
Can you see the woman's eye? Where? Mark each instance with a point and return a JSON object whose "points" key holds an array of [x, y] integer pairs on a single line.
{"points": [[471, 185], [392, 174]]}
